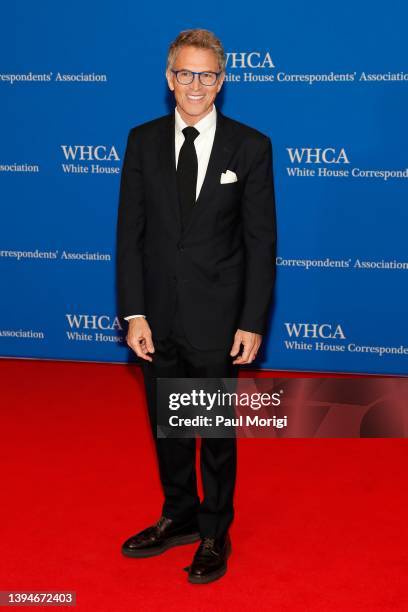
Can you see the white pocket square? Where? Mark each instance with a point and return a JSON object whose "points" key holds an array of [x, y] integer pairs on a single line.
{"points": [[228, 177]]}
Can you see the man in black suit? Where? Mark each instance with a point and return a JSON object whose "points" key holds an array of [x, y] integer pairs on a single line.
{"points": [[196, 268]]}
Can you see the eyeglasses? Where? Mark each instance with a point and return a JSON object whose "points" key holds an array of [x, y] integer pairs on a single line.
{"points": [[185, 77]]}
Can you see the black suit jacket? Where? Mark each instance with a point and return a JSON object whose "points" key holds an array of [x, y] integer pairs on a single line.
{"points": [[221, 268]]}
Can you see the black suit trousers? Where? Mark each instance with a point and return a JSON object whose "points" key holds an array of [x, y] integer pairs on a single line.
{"points": [[175, 357]]}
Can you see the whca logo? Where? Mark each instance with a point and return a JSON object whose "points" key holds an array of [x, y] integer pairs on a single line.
{"points": [[315, 330], [80, 152], [96, 322], [316, 155]]}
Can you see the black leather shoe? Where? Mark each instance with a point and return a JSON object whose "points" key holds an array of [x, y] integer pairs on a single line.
{"points": [[160, 537], [210, 560]]}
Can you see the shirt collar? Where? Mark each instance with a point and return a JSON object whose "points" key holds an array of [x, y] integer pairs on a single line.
{"points": [[202, 126]]}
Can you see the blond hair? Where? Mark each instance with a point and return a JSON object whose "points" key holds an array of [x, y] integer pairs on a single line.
{"points": [[202, 39]]}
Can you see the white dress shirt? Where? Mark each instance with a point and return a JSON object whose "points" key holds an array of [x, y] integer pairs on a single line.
{"points": [[203, 146]]}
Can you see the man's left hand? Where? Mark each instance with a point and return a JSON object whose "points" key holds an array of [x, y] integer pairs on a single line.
{"points": [[251, 343]]}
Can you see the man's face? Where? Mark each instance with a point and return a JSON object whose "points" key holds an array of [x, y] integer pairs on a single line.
{"points": [[194, 101]]}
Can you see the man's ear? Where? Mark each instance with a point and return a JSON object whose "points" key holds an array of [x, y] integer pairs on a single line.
{"points": [[220, 81], [169, 77]]}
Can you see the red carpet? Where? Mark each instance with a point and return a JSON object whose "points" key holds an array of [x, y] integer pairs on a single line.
{"points": [[320, 524]]}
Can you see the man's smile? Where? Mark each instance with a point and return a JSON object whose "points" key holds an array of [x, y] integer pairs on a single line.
{"points": [[195, 97]]}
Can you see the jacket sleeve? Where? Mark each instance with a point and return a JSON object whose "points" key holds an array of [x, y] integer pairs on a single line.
{"points": [[130, 231], [259, 232]]}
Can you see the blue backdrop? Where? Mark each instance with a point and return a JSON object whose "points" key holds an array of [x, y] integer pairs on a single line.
{"points": [[328, 83]]}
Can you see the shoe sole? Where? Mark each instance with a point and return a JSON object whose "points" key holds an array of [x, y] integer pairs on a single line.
{"points": [[170, 543], [213, 576]]}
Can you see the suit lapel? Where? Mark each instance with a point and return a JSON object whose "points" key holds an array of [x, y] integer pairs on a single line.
{"points": [[167, 156]]}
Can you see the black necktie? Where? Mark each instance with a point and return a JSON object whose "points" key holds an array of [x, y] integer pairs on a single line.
{"points": [[187, 168]]}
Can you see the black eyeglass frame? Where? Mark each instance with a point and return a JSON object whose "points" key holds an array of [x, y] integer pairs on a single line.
{"points": [[193, 73]]}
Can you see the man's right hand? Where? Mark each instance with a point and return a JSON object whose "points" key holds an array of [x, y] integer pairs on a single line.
{"points": [[139, 338]]}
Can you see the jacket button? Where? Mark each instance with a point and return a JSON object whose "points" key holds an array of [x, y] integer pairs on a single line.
{"points": [[180, 246]]}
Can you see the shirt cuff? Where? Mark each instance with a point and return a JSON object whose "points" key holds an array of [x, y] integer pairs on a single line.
{"points": [[134, 317]]}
